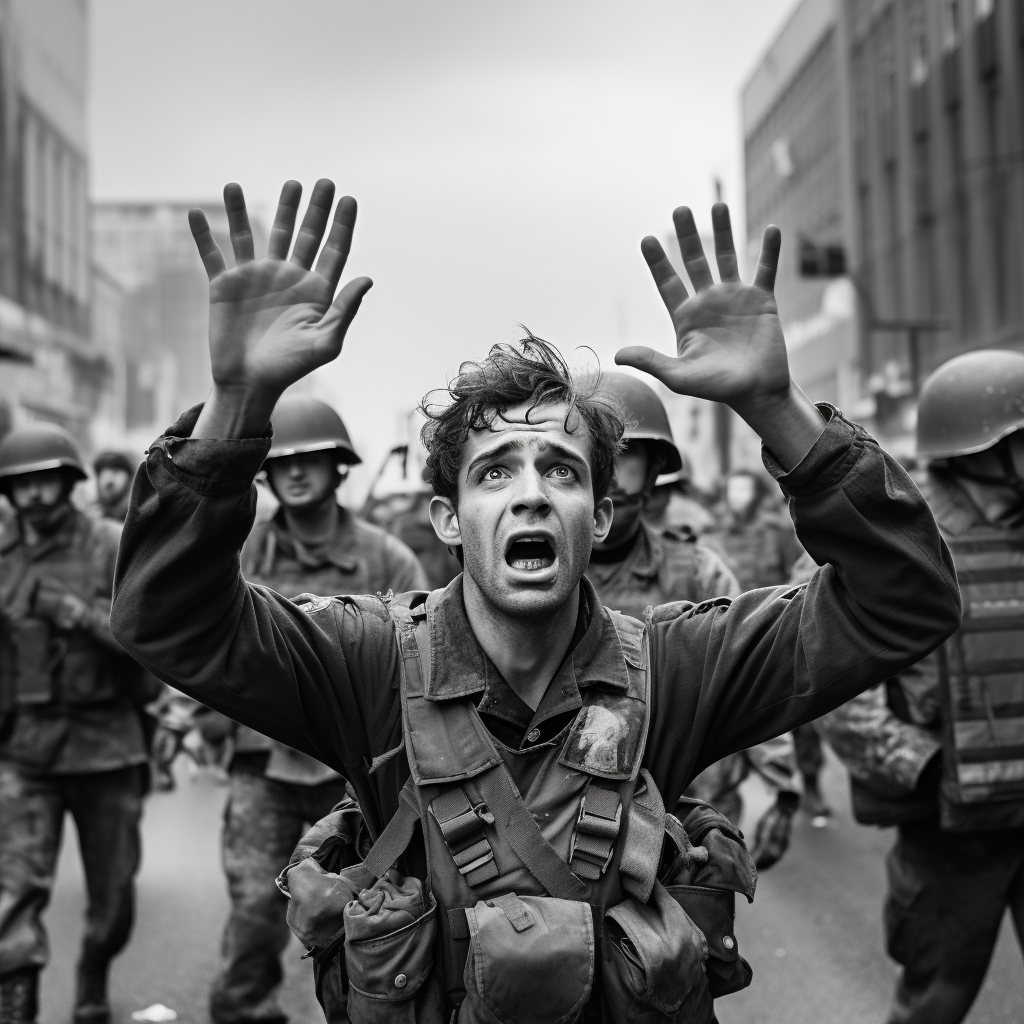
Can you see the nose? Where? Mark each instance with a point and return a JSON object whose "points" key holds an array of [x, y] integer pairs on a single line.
{"points": [[296, 471], [530, 496]]}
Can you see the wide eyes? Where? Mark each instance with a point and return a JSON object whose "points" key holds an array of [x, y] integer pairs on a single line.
{"points": [[496, 473], [563, 473]]}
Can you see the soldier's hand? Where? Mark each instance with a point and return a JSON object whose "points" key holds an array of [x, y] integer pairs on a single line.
{"points": [[65, 610], [274, 320], [729, 342]]}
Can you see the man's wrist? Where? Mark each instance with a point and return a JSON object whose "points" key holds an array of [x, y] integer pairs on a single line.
{"points": [[787, 421], [233, 412]]}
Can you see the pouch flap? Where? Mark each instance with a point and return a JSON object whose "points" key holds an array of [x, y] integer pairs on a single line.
{"points": [[729, 865], [608, 736], [713, 911], [316, 909]]}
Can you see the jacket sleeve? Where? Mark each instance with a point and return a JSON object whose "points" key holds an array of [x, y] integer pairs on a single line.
{"points": [[730, 674], [318, 676], [878, 748]]}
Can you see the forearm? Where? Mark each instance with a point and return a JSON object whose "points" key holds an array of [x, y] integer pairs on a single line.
{"points": [[233, 413], [788, 423]]}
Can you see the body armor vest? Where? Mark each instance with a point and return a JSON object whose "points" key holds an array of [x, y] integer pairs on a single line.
{"points": [[982, 673], [543, 900]]}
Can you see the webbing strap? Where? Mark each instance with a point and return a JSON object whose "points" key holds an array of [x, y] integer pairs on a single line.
{"points": [[515, 910], [645, 834], [517, 827], [462, 826], [597, 829], [395, 838]]}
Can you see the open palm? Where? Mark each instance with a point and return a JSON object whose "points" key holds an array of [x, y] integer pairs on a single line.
{"points": [[729, 342], [274, 320]]}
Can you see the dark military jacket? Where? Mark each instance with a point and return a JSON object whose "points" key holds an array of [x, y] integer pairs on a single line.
{"points": [[322, 675], [887, 735], [70, 699]]}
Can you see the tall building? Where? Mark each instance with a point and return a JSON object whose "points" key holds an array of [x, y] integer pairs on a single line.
{"points": [[796, 162], [937, 105], [50, 368], [148, 251]]}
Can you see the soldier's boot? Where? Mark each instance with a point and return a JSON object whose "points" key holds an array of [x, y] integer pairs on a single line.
{"points": [[19, 997], [91, 1004]]}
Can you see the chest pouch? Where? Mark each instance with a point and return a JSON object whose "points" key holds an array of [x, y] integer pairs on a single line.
{"points": [[35, 657]]}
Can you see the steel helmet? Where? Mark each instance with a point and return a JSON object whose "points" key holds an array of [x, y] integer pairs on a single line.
{"points": [[38, 447], [650, 420], [970, 403], [303, 424], [111, 459], [683, 475]]}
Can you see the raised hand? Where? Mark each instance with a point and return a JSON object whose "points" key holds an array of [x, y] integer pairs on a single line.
{"points": [[274, 320], [729, 342]]}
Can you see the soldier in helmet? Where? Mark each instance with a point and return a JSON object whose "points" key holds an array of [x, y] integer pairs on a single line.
{"points": [[115, 472], [311, 545], [637, 567], [938, 751], [71, 724]]}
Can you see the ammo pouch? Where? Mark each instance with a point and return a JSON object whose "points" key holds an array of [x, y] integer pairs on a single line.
{"points": [[33, 661], [84, 672]]}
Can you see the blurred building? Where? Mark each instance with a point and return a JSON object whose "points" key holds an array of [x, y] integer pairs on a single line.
{"points": [[50, 367], [796, 160], [937, 102], [147, 250]]}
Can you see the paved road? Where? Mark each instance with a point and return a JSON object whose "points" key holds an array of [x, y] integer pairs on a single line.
{"points": [[813, 935]]}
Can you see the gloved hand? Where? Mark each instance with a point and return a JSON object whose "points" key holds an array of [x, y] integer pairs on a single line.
{"points": [[771, 839], [65, 610]]}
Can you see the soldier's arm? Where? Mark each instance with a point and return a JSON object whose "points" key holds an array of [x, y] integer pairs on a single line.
{"points": [[877, 747]]}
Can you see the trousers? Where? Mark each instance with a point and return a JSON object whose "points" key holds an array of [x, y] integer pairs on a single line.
{"points": [[947, 894], [107, 809], [263, 821]]}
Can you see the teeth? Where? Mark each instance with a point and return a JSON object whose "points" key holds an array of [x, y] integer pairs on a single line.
{"points": [[530, 564]]}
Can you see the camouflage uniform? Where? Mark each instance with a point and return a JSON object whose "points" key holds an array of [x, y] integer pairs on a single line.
{"points": [[958, 862], [73, 740], [664, 567], [275, 791]]}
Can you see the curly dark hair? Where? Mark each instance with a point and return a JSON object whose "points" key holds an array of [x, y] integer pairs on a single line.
{"points": [[532, 370]]}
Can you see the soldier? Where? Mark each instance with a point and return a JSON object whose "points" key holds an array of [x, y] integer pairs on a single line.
{"points": [[513, 743], [675, 504], [72, 732], [938, 750], [114, 475], [636, 567], [312, 544]]}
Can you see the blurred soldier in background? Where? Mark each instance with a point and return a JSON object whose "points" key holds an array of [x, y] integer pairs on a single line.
{"points": [[637, 566], [72, 734], [115, 472], [675, 504], [311, 545], [938, 751]]}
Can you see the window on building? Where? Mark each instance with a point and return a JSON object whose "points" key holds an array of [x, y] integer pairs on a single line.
{"points": [[983, 8], [950, 24], [918, 43]]}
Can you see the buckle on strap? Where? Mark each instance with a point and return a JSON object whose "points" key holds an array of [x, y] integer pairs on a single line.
{"points": [[462, 826], [597, 829]]}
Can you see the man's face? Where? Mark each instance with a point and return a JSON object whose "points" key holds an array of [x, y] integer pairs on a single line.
{"points": [[632, 477], [112, 484], [305, 480], [526, 517], [38, 492]]}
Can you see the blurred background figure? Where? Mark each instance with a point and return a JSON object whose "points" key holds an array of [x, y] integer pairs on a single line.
{"points": [[676, 504], [73, 730], [115, 472]]}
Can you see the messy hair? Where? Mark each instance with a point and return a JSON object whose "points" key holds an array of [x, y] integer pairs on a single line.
{"points": [[530, 371]]}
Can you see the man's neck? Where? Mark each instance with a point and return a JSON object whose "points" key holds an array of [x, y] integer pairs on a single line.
{"points": [[527, 652], [315, 525]]}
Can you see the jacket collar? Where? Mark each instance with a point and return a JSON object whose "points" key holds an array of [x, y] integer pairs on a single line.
{"points": [[459, 666]]}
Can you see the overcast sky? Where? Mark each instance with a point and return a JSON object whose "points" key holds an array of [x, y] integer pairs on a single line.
{"points": [[507, 157]]}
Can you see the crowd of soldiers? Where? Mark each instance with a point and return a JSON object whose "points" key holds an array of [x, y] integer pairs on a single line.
{"points": [[937, 750]]}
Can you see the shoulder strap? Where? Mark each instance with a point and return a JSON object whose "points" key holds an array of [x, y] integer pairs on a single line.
{"points": [[397, 835]]}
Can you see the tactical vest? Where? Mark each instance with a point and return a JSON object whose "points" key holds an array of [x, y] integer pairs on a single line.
{"points": [[544, 904], [982, 674]]}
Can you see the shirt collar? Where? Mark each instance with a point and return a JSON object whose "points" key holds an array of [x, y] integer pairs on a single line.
{"points": [[459, 666]]}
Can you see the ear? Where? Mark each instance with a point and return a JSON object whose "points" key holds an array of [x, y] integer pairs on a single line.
{"points": [[604, 510], [445, 521]]}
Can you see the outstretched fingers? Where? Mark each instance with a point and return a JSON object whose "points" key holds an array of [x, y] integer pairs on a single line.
{"points": [[768, 261], [313, 224], [336, 321], [284, 221], [339, 242], [670, 285], [209, 251], [691, 248], [238, 224], [657, 364], [725, 248]]}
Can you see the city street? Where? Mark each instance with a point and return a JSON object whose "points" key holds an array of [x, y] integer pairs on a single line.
{"points": [[813, 934]]}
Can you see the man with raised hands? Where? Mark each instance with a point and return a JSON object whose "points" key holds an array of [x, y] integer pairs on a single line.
{"points": [[516, 661]]}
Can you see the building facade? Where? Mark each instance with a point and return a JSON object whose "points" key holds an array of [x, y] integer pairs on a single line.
{"points": [[50, 368]]}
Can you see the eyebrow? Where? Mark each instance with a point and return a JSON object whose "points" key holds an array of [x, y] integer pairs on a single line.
{"points": [[515, 444]]}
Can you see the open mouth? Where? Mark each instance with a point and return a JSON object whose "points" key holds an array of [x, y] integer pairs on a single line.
{"points": [[529, 554]]}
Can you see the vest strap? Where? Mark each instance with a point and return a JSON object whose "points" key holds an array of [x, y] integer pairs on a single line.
{"points": [[596, 832], [645, 834], [395, 838], [462, 826], [519, 829]]}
